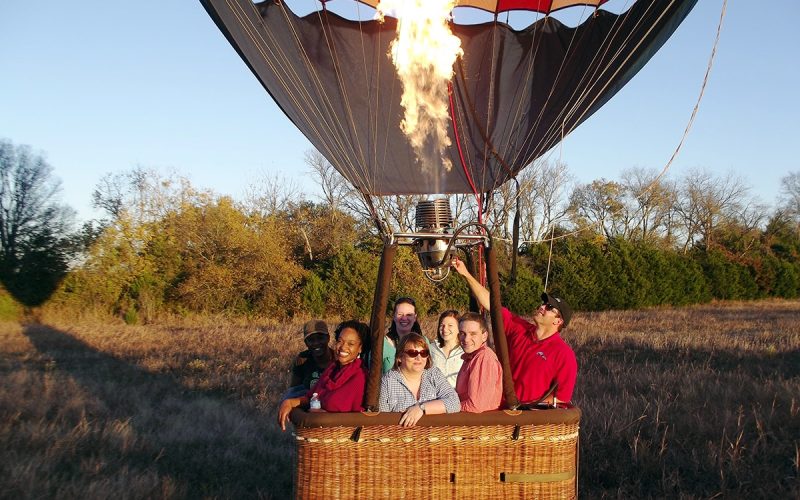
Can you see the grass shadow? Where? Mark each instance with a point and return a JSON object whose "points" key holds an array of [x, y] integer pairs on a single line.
{"points": [[687, 421], [202, 444]]}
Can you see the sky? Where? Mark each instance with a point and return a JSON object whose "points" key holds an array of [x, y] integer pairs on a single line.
{"points": [[101, 86]]}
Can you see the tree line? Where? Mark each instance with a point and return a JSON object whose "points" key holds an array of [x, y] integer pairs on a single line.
{"points": [[166, 247]]}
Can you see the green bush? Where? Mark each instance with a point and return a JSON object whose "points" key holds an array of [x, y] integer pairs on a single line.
{"points": [[524, 295], [313, 294], [350, 281], [9, 309], [728, 280], [689, 284], [131, 317], [787, 281]]}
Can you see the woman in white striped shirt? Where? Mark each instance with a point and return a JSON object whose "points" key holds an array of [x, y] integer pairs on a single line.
{"points": [[446, 351]]}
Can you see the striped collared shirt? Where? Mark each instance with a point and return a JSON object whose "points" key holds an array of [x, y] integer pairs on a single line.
{"points": [[448, 365]]}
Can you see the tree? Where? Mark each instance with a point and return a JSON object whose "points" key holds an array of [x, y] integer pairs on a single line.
{"points": [[272, 194], [705, 203], [600, 204], [653, 199], [34, 227], [543, 203], [790, 197], [232, 262]]}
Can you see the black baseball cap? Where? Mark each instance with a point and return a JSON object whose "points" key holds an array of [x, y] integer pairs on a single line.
{"points": [[563, 308]]}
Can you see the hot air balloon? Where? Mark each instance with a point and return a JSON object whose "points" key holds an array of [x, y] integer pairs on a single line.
{"points": [[514, 94]]}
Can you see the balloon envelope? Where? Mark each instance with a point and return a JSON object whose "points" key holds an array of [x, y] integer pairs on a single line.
{"points": [[515, 93]]}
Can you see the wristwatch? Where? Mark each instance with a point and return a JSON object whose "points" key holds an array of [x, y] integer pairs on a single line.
{"points": [[422, 407]]}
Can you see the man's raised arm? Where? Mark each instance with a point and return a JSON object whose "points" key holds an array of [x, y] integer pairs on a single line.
{"points": [[478, 290]]}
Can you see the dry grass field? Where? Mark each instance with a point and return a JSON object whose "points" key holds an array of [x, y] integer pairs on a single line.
{"points": [[697, 402]]}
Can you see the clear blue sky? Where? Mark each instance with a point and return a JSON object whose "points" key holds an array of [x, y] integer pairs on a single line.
{"points": [[104, 86]]}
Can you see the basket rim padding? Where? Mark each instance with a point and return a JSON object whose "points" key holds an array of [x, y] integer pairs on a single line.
{"points": [[304, 419]]}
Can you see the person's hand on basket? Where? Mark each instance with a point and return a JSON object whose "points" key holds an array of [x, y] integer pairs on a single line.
{"points": [[412, 416]]}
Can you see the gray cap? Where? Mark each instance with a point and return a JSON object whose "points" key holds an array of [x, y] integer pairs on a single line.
{"points": [[315, 326]]}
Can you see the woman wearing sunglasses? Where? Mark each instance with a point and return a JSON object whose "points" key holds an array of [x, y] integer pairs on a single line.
{"points": [[413, 386]]}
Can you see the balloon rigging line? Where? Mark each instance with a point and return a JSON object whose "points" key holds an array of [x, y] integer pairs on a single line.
{"points": [[619, 68], [359, 175], [528, 76], [555, 125], [362, 174], [588, 80], [458, 141], [547, 137], [372, 133], [460, 118], [343, 88], [688, 125], [529, 135], [469, 104], [355, 173], [303, 96], [549, 258], [519, 106], [282, 72], [487, 144], [329, 122], [329, 118], [697, 104], [581, 89], [299, 93]]}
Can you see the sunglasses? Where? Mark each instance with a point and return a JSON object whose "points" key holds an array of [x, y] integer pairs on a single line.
{"points": [[551, 307], [413, 353]]}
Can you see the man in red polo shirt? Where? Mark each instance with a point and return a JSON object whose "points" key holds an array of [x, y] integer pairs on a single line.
{"points": [[538, 355]]}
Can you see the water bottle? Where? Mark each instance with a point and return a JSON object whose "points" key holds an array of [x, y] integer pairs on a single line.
{"points": [[315, 404]]}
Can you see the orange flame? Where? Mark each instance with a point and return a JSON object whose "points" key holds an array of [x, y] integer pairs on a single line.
{"points": [[423, 53]]}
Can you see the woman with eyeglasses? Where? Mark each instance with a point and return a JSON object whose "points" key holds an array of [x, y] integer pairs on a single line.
{"points": [[413, 386], [446, 352], [340, 388], [404, 321]]}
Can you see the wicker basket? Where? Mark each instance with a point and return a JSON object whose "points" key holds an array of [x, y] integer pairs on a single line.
{"points": [[499, 454]]}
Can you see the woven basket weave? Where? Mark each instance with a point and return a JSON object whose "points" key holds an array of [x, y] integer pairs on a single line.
{"points": [[500, 454]]}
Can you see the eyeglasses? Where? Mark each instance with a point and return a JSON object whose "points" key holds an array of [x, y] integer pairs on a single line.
{"points": [[551, 307], [413, 353]]}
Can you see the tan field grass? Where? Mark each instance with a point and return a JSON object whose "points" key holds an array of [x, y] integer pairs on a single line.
{"points": [[694, 402]]}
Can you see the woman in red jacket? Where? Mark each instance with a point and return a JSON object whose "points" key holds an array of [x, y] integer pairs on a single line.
{"points": [[340, 388]]}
